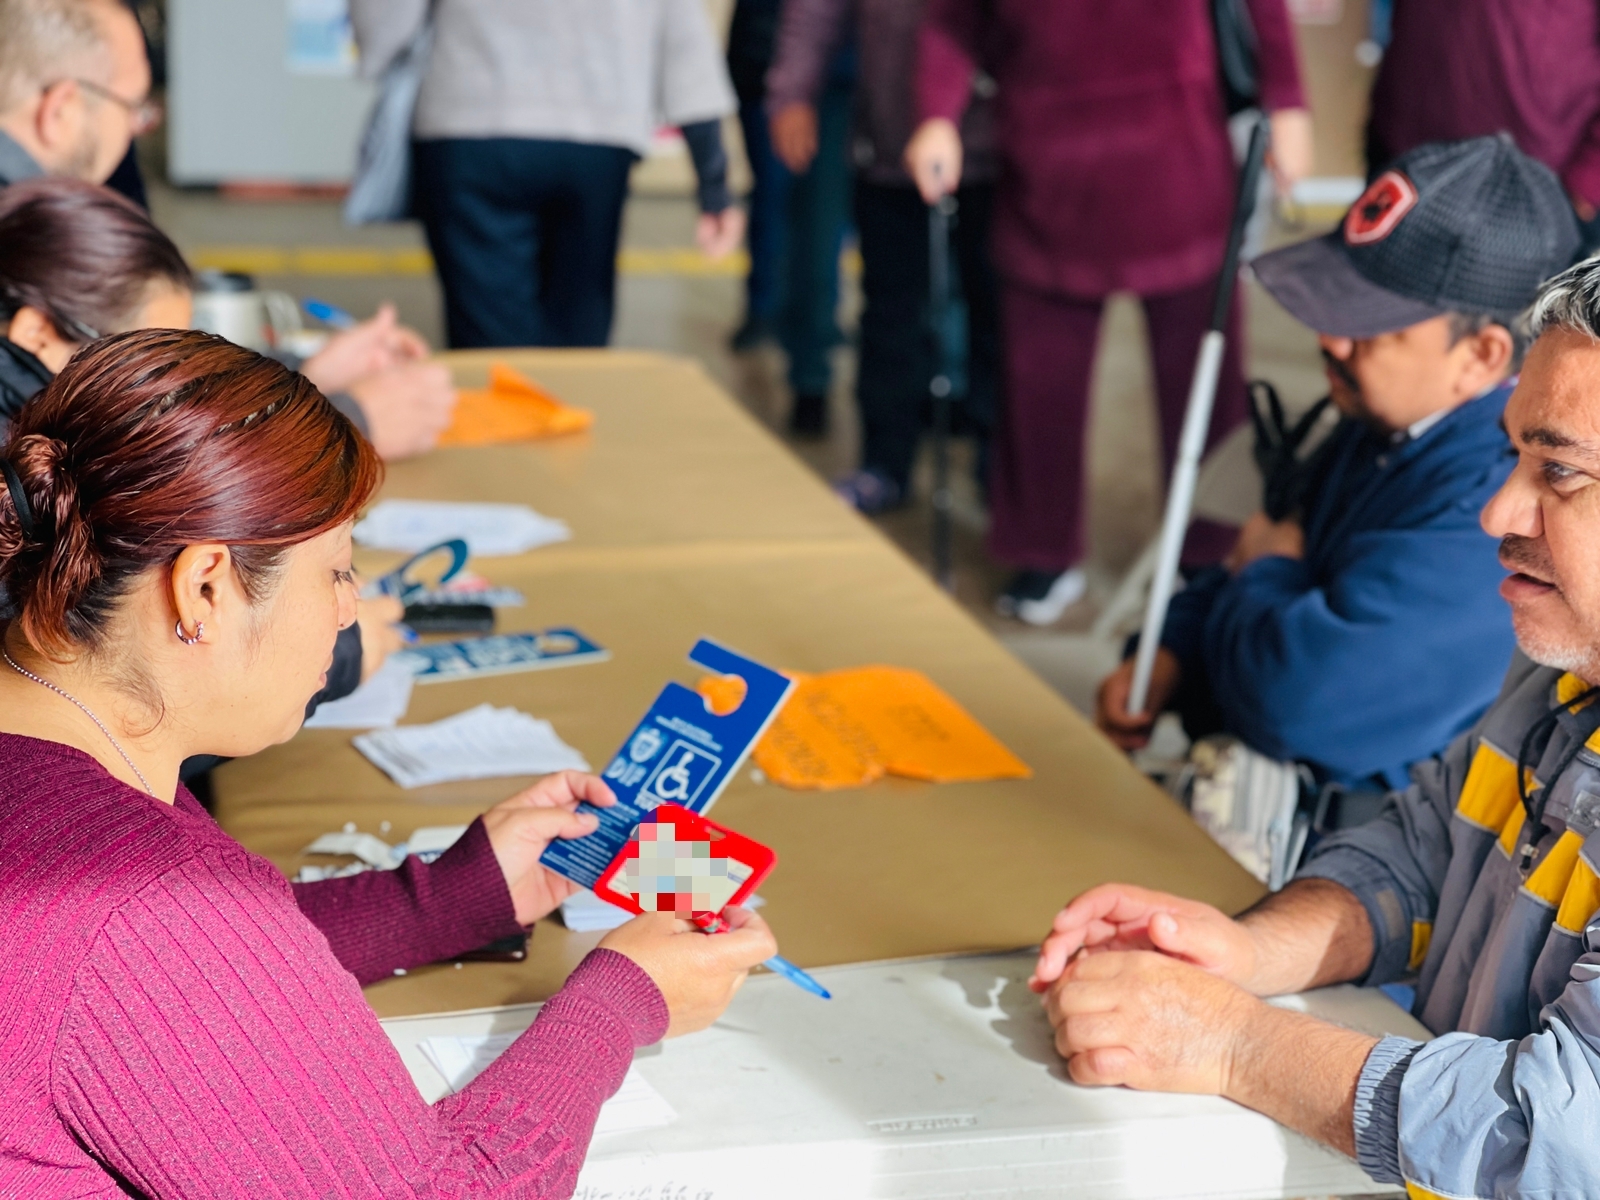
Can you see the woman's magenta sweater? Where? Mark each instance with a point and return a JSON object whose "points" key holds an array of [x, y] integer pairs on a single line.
{"points": [[177, 1021]]}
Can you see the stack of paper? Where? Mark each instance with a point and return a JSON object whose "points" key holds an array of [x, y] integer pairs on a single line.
{"points": [[488, 529], [636, 1105], [482, 743], [376, 704], [584, 912]]}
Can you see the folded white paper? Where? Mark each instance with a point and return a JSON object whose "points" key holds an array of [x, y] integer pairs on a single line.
{"points": [[482, 743], [636, 1105], [489, 529], [376, 704]]}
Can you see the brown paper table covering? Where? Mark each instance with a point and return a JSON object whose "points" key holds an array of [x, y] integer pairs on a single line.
{"points": [[689, 520]]}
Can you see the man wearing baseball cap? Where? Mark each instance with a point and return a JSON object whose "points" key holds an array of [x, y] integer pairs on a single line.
{"points": [[1362, 633], [1480, 883]]}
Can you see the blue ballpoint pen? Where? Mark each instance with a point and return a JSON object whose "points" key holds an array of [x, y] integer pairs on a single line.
{"points": [[782, 966], [778, 965], [330, 314]]}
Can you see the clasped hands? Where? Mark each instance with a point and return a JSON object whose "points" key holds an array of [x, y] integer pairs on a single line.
{"points": [[1149, 991]]}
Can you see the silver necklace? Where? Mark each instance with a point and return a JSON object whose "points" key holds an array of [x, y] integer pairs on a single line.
{"points": [[45, 683]]}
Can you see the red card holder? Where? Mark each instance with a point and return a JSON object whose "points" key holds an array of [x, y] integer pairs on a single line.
{"points": [[680, 862]]}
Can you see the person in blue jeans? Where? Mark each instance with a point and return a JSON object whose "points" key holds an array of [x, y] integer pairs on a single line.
{"points": [[898, 355], [799, 212], [530, 117], [1362, 633]]}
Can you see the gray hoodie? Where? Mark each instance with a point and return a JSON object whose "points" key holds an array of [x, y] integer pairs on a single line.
{"points": [[602, 72]]}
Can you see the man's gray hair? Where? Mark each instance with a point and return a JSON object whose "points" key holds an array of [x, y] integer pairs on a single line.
{"points": [[1570, 300], [43, 41]]}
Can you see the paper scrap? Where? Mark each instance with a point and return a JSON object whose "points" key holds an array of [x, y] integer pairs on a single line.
{"points": [[488, 529], [373, 851], [376, 704], [482, 743], [431, 841], [511, 409], [637, 1104], [847, 728]]}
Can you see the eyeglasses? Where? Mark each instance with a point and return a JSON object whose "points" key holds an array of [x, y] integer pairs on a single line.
{"points": [[143, 115]]}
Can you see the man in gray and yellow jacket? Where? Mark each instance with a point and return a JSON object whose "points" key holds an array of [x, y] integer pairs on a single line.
{"points": [[1481, 881]]}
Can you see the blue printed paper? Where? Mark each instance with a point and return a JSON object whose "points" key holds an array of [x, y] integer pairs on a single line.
{"points": [[680, 752], [473, 658]]}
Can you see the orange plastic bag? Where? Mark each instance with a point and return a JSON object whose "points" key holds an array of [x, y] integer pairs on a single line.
{"points": [[511, 409], [847, 728]]}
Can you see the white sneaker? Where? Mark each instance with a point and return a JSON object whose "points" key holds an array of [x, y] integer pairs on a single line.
{"points": [[1038, 599]]}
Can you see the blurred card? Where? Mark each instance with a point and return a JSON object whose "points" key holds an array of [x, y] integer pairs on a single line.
{"points": [[472, 658], [680, 862]]}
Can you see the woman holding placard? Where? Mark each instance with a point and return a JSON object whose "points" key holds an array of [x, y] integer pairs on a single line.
{"points": [[175, 1020]]}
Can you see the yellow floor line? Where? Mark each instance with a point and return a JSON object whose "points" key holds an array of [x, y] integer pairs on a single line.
{"points": [[685, 261]]}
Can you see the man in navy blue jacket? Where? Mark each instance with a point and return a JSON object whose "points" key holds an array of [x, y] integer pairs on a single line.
{"points": [[1366, 632]]}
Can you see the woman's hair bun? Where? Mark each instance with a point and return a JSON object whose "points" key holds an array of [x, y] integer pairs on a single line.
{"points": [[58, 554], [151, 441]]}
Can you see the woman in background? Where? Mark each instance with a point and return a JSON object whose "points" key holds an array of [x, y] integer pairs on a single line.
{"points": [[78, 262], [1116, 175]]}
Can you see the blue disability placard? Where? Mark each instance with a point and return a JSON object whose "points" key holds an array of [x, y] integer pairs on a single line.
{"points": [[680, 752]]}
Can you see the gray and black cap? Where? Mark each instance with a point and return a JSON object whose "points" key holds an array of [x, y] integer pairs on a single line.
{"points": [[1472, 227]]}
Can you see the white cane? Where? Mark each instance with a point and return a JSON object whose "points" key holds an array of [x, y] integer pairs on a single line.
{"points": [[1196, 423]]}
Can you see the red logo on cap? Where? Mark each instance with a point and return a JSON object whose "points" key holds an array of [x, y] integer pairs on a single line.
{"points": [[1373, 217]]}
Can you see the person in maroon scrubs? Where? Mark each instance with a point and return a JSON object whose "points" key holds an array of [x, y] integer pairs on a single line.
{"points": [[1465, 68], [1116, 174]]}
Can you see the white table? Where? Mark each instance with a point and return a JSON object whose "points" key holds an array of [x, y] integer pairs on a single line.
{"points": [[933, 1078]]}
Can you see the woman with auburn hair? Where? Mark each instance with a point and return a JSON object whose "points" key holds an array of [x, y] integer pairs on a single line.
{"points": [[175, 1018], [78, 261]]}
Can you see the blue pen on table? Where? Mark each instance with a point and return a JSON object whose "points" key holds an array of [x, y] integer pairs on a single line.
{"points": [[777, 964], [330, 314]]}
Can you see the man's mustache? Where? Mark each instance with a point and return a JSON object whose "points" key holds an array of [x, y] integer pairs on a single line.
{"points": [[1342, 369], [1530, 556]]}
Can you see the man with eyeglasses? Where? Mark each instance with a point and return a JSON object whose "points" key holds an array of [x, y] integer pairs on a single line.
{"points": [[75, 92], [74, 88]]}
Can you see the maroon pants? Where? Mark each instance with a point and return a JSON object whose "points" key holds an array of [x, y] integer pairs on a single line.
{"points": [[1037, 493]]}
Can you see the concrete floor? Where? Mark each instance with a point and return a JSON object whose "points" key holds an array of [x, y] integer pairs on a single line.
{"points": [[664, 306]]}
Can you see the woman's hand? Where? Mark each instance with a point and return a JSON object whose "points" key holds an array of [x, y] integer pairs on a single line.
{"points": [[379, 618], [933, 156], [794, 136], [719, 234], [698, 973], [376, 344], [520, 828], [1291, 152]]}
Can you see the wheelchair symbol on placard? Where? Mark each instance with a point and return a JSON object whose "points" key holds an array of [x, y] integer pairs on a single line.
{"points": [[681, 775]]}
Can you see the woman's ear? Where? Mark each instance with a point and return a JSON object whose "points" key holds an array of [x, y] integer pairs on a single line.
{"points": [[37, 334], [202, 581]]}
